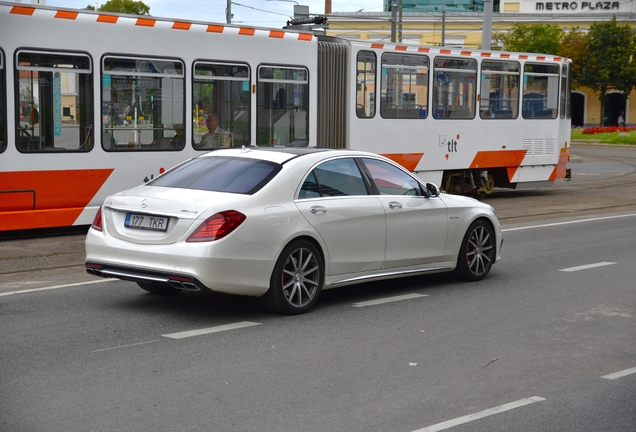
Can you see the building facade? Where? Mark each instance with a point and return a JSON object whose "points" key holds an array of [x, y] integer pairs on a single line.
{"points": [[459, 24]]}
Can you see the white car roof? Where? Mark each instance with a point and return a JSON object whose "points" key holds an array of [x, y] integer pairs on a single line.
{"points": [[280, 154]]}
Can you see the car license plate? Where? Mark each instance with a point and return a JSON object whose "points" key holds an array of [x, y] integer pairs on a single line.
{"points": [[147, 222]]}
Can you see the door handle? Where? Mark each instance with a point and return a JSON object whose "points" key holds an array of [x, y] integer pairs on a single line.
{"points": [[394, 205], [318, 209]]}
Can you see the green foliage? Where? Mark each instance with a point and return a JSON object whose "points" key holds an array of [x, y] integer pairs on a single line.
{"points": [[574, 47], [611, 61], [611, 57], [534, 38], [123, 6]]}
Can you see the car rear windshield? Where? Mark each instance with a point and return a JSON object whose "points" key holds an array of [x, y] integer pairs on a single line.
{"points": [[220, 174]]}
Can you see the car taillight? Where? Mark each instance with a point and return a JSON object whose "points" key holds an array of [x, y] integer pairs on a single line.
{"points": [[97, 222], [217, 226]]}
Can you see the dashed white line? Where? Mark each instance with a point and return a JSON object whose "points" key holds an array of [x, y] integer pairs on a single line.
{"points": [[208, 330], [568, 222], [620, 374], [125, 346], [388, 300], [481, 414], [587, 266], [56, 287]]}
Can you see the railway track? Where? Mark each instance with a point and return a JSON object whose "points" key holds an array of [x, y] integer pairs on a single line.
{"points": [[603, 181]]}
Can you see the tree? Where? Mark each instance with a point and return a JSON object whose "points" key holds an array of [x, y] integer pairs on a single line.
{"points": [[611, 61], [574, 47], [534, 38], [124, 6]]}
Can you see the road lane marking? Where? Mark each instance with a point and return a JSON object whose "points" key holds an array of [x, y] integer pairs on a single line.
{"points": [[481, 414], [568, 222], [57, 286], [620, 374], [208, 330], [388, 300], [125, 346], [587, 266]]}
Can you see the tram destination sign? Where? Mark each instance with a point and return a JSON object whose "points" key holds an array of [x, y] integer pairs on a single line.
{"points": [[577, 6]]}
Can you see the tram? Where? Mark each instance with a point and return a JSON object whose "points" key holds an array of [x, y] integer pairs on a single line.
{"points": [[92, 103]]}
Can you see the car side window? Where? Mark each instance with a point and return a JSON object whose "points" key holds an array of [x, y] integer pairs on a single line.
{"points": [[338, 177], [391, 180]]}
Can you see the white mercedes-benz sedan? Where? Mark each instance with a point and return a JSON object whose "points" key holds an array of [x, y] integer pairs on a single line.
{"points": [[284, 224]]}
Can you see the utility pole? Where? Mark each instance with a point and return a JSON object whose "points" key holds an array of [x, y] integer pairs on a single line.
{"points": [[486, 35], [443, 24], [228, 12], [400, 27], [393, 20]]}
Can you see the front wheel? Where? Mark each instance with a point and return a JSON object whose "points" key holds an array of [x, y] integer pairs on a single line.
{"points": [[296, 281], [477, 253]]}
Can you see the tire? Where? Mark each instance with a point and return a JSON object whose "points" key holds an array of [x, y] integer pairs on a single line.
{"points": [[477, 253], [296, 281], [158, 289]]}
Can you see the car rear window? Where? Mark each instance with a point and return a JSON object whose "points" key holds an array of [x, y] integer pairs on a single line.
{"points": [[220, 174]]}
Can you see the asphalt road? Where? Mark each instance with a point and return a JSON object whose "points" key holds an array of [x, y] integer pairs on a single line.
{"points": [[546, 343], [603, 181]]}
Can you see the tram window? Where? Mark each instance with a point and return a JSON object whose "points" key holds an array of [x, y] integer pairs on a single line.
{"points": [[499, 90], [48, 82], [282, 114], [222, 89], [454, 88], [365, 84], [540, 91], [143, 104], [404, 86], [3, 105], [564, 89]]}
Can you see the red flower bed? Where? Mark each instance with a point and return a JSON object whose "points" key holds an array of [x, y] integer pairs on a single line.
{"points": [[607, 129]]}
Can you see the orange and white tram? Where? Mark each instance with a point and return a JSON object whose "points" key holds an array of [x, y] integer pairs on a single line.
{"points": [[92, 103]]}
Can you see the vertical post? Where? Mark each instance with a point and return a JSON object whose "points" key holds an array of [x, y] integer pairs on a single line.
{"points": [[400, 27], [393, 19], [228, 12], [486, 35], [443, 24]]}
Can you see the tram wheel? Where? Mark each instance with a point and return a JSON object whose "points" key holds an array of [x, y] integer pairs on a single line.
{"points": [[487, 188]]}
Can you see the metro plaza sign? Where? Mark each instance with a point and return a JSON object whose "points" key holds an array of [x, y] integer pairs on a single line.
{"points": [[580, 6]]}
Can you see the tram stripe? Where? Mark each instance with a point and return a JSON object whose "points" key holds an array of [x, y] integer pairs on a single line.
{"points": [[246, 31], [179, 25], [185, 25], [215, 29], [145, 22], [66, 15], [407, 160], [22, 10], [511, 159], [109, 19]]}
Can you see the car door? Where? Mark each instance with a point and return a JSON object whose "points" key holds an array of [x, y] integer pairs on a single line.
{"points": [[416, 224], [336, 202]]}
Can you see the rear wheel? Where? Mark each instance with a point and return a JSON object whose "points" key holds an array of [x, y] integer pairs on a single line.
{"points": [[296, 281], [477, 253], [158, 289]]}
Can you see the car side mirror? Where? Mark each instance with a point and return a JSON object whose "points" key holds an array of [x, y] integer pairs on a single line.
{"points": [[432, 189]]}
